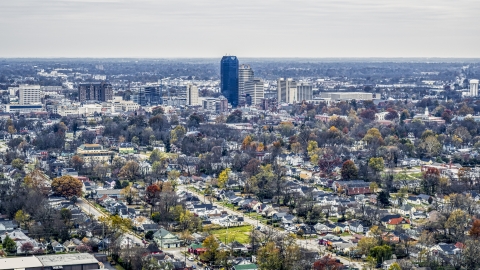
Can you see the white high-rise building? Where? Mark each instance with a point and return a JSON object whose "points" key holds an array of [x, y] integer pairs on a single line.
{"points": [[286, 90], [473, 87], [304, 92], [192, 95], [254, 89], [245, 74], [29, 94]]}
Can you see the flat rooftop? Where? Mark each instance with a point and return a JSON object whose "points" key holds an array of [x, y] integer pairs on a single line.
{"points": [[19, 263], [67, 259]]}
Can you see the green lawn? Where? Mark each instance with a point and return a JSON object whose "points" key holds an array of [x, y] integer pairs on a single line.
{"points": [[240, 234]]}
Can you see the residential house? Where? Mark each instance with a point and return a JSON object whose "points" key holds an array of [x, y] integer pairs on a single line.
{"points": [[406, 210], [322, 228], [57, 247], [418, 215], [414, 200], [397, 222], [196, 249], [358, 227], [446, 249], [166, 239], [70, 245], [353, 187], [388, 263]]}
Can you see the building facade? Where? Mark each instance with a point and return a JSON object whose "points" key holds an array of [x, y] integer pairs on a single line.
{"points": [[29, 94], [94, 153], [245, 74], [254, 90], [304, 92], [474, 88], [192, 95], [229, 79], [99, 91], [347, 95], [286, 90]]}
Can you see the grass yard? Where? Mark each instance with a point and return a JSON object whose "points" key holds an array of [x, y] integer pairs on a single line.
{"points": [[240, 234]]}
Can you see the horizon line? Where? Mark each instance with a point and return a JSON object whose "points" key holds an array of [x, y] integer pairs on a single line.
{"points": [[257, 57]]}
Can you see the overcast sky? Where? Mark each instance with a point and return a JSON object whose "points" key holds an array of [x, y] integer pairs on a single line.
{"points": [[246, 28]]}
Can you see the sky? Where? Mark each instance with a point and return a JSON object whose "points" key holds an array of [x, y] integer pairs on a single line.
{"points": [[246, 28]]}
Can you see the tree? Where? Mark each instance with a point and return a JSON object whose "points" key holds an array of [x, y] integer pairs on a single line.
{"points": [[366, 244], [9, 245], [312, 148], [269, 257], [235, 117], [252, 167], [156, 155], [373, 187], [327, 263], [328, 161], [158, 110], [130, 171], [456, 222], [83, 248], [177, 134], [26, 247], [373, 136], [384, 198], [475, 230], [66, 214], [17, 163], [431, 178], [77, 163], [395, 266], [21, 217], [149, 235], [368, 114], [246, 142], [67, 186], [130, 193], [223, 178], [381, 253], [37, 180], [173, 177], [431, 146], [470, 254], [376, 164], [392, 115], [349, 170], [211, 245]]}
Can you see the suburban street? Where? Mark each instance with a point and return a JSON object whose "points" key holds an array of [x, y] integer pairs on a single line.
{"points": [[91, 210], [310, 244]]}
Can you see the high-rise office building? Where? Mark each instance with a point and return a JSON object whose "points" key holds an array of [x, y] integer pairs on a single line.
{"points": [[100, 91], [229, 79], [291, 91], [254, 89], [29, 94], [286, 90], [245, 74], [304, 92], [473, 87], [192, 95]]}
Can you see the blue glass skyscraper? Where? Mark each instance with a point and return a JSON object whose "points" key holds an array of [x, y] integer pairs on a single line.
{"points": [[229, 79]]}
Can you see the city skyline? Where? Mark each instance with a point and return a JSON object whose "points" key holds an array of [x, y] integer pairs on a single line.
{"points": [[112, 28]]}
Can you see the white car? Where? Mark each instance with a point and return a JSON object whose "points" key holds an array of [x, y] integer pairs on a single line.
{"points": [[190, 258]]}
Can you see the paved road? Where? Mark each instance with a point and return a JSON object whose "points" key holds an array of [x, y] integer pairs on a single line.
{"points": [[91, 210], [310, 244]]}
